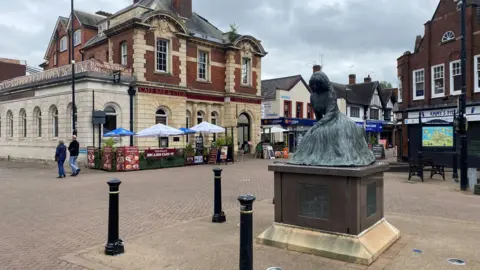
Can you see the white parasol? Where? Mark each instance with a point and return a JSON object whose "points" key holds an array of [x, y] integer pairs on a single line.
{"points": [[159, 130], [207, 128]]}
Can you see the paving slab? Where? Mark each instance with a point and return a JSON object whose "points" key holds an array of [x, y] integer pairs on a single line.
{"points": [[202, 245]]}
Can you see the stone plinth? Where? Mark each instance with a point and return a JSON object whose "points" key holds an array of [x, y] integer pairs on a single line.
{"points": [[335, 212]]}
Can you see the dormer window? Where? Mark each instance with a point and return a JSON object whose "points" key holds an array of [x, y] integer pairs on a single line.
{"points": [[63, 44], [448, 36], [77, 37]]}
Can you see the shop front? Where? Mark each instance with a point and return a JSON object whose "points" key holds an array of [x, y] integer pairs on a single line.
{"points": [[373, 128], [296, 129], [438, 124]]}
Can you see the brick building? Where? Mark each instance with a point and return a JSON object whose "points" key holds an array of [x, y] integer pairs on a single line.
{"points": [[10, 68], [430, 78], [185, 71]]}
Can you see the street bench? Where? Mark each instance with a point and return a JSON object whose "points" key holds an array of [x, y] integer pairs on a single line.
{"points": [[416, 168]]}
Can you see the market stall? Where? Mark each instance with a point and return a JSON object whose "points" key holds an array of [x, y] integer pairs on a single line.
{"points": [[202, 154]]}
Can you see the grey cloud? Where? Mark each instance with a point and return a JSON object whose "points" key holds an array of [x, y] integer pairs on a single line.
{"points": [[369, 34]]}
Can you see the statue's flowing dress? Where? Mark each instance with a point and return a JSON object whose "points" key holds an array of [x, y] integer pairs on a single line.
{"points": [[335, 140]]}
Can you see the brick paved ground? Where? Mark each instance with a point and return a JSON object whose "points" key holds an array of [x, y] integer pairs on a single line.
{"points": [[43, 218]]}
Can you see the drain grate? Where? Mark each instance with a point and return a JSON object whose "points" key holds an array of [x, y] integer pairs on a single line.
{"points": [[456, 261]]}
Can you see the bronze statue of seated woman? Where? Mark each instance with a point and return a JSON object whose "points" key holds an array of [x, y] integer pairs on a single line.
{"points": [[335, 140]]}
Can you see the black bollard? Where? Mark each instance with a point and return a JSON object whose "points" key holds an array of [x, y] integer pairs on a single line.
{"points": [[114, 244], [246, 231], [218, 214]]}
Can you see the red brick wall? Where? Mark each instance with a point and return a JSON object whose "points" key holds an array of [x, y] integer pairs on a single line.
{"points": [[244, 89], [99, 52], [151, 74], [10, 71], [117, 40], [64, 57], [432, 52], [238, 77], [217, 76]]}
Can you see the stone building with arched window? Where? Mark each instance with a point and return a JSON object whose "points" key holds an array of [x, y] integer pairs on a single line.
{"points": [[181, 69]]}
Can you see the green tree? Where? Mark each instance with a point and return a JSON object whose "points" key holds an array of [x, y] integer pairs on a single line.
{"points": [[385, 85], [232, 34]]}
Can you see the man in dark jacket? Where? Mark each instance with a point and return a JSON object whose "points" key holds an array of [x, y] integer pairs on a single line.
{"points": [[60, 156], [74, 149]]}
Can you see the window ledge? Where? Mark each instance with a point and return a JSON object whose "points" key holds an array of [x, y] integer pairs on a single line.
{"points": [[435, 97], [203, 81], [456, 93], [158, 72], [418, 98], [245, 85]]}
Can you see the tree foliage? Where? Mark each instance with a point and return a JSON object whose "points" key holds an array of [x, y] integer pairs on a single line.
{"points": [[385, 85]]}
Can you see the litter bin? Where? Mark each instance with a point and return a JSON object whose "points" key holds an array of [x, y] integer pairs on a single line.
{"points": [[472, 178]]}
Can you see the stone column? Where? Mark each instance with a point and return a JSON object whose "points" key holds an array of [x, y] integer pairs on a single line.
{"points": [[208, 118], [183, 62], [194, 122], [139, 51], [230, 72]]}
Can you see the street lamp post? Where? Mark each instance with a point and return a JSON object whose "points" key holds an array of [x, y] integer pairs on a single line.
{"points": [[131, 93], [463, 99], [72, 58]]}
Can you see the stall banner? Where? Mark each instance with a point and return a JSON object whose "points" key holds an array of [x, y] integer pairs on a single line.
{"points": [[120, 159], [224, 152], [132, 158], [212, 159], [107, 158], [198, 159], [91, 157], [159, 153]]}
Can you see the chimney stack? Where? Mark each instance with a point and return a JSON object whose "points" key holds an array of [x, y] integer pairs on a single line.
{"points": [[317, 68], [352, 79], [418, 40], [183, 8], [136, 1], [367, 79]]}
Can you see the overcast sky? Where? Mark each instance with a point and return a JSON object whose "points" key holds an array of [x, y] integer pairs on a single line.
{"points": [[366, 34]]}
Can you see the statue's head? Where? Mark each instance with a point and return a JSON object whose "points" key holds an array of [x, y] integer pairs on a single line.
{"points": [[319, 82]]}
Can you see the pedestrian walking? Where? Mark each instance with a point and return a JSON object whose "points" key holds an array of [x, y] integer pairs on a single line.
{"points": [[74, 149], [60, 156]]}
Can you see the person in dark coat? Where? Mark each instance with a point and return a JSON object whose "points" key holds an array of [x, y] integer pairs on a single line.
{"points": [[60, 156], [74, 149]]}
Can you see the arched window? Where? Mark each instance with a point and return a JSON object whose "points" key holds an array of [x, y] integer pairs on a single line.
{"points": [[188, 122], [38, 121], [54, 112], [214, 121], [200, 116], [23, 123], [10, 124], [449, 35], [161, 117], [110, 119]]}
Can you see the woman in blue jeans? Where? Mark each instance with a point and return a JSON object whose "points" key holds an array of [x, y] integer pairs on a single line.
{"points": [[60, 156]]}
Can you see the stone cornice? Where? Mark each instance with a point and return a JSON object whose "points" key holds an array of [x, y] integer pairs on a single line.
{"points": [[132, 23]]}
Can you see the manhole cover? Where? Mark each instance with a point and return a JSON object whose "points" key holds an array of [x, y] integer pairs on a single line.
{"points": [[456, 261]]}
